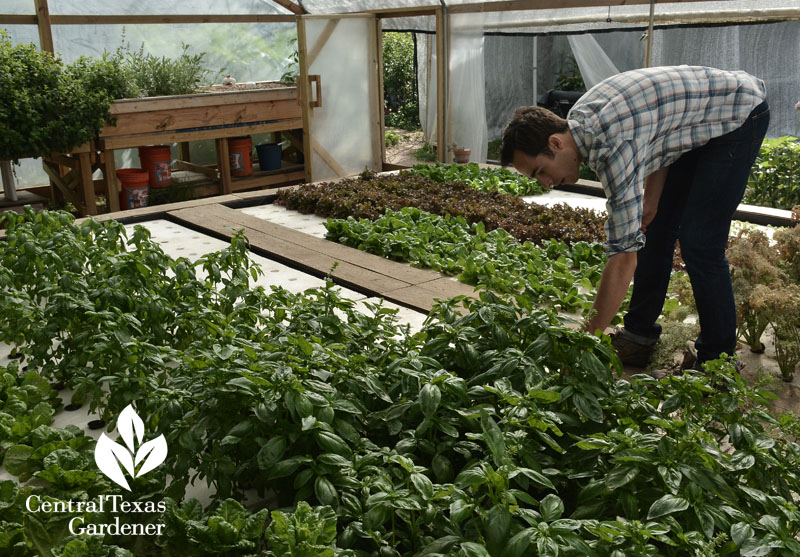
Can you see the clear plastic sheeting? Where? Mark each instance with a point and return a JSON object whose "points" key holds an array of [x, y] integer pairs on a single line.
{"points": [[149, 7], [248, 51], [770, 51], [466, 102], [593, 61], [427, 86], [570, 20]]}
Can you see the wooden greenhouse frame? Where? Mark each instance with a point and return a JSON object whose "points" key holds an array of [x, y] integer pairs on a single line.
{"points": [[70, 173]]}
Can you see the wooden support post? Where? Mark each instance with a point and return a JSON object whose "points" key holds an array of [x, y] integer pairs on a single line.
{"points": [[43, 22], [224, 165], [304, 91], [87, 184], [112, 188], [381, 104], [63, 188], [648, 47], [441, 85], [376, 94], [185, 152], [9, 188]]}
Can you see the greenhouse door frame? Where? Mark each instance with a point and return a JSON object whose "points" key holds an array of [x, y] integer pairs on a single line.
{"points": [[341, 94]]}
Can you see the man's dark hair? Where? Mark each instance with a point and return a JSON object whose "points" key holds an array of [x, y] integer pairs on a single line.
{"points": [[528, 131]]}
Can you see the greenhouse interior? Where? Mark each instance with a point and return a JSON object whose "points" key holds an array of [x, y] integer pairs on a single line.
{"points": [[400, 278]]}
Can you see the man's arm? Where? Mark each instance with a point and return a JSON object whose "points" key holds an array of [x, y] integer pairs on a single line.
{"points": [[614, 283], [653, 186]]}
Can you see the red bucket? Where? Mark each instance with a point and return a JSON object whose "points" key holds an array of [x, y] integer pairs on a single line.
{"points": [[157, 160], [240, 153], [135, 187]]}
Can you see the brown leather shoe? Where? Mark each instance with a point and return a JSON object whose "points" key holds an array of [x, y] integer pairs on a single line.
{"points": [[630, 352], [666, 372]]}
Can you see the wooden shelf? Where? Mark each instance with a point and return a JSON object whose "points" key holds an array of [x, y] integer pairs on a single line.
{"points": [[259, 179]]}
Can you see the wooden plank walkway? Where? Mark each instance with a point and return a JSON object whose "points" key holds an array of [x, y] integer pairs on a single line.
{"points": [[417, 289]]}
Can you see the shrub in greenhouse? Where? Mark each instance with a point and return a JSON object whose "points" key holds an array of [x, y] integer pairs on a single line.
{"points": [[753, 262], [44, 105], [775, 178]]}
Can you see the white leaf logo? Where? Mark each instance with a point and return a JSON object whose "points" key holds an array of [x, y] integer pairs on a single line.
{"points": [[109, 455]]}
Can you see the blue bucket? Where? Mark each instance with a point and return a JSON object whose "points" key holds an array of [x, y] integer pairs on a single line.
{"points": [[269, 156]]}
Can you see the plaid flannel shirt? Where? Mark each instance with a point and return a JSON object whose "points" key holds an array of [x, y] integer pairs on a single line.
{"points": [[634, 123]]}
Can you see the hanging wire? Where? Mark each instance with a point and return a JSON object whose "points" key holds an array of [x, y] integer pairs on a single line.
{"points": [[608, 17]]}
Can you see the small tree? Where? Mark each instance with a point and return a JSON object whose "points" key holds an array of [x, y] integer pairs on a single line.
{"points": [[399, 81]]}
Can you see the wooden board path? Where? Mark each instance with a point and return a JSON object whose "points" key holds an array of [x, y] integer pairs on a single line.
{"points": [[397, 282]]}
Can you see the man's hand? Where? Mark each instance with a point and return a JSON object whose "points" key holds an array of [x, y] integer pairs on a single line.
{"points": [[649, 210], [653, 186]]}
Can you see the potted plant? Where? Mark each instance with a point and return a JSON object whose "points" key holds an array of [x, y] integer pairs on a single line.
{"points": [[460, 154]]}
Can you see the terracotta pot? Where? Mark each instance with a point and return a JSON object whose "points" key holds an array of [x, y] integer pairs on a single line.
{"points": [[461, 156]]}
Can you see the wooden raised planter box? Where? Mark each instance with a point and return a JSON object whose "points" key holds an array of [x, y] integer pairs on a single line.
{"points": [[182, 119]]}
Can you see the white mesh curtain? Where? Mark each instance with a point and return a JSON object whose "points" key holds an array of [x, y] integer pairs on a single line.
{"points": [[594, 63], [466, 100], [770, 52]]}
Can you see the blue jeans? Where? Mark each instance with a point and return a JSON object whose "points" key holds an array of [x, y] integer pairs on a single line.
{"points": [[701, 193]]}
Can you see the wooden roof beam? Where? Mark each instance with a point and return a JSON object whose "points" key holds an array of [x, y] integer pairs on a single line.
{"points": [[510, 5], [291, 6], [168, 19]]}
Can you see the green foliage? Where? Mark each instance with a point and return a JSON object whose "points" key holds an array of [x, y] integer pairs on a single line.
{"points": [[392, 138], [495, 430], [485, 179], [48, 106], [109, 73], [154, 76], [551, 274], [399, 81], [289, 77], [775, 177], [369, 197], [571, 79], [45, 105], [586, 173], [426, 153], [229, 530], [306, 532], [493, 150]]}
